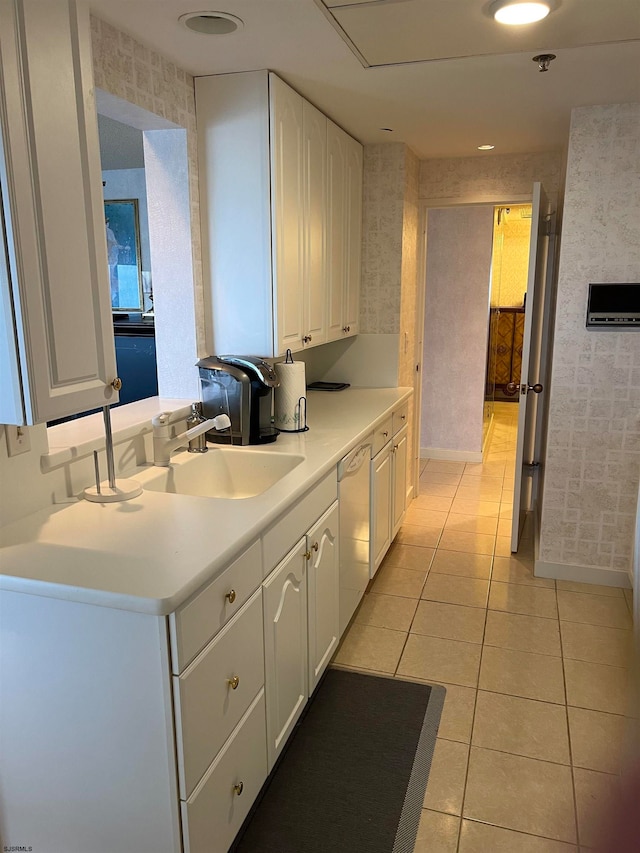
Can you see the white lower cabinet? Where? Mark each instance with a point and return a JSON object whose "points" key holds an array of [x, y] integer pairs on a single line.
{"points": [[285, 647], [323, 588], [399, 478], [380, 507], [214, 692], [388, 485], [214, 813]]}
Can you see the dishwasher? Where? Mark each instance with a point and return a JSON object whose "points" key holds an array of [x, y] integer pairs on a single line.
{"points": [[355, 495]]}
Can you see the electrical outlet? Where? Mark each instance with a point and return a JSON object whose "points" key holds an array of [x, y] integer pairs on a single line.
{"points": [[18, 439]]}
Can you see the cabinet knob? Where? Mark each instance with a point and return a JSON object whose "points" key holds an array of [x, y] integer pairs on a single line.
{"points": [[315, 546], [117, 383], [307, 555], [233, 682], [386, 433], [346, 329], [306, 339], [403, 417], [231, 596], [239, 788]]}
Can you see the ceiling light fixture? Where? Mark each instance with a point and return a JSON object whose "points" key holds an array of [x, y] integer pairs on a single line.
{"points": [[211, 23], [516, 12], [485, 147]]}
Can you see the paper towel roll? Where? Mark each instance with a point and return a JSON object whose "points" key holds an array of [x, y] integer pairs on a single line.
{"points": [[291, 396]]}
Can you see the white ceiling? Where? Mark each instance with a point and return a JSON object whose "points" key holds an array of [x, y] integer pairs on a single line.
{"points": [[440, 73]]}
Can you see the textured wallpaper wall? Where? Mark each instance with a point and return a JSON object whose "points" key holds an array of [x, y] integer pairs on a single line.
{"points": [[131, 71], [487, 179], [511, 257], [593, 444], [384, 187], [456, 327], [409, 284]]}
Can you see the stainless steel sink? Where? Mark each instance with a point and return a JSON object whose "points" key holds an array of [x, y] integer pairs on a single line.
{"points": [[223, 472]]}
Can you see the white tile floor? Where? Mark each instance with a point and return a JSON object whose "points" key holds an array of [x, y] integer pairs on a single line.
{"points": [[536, 671]]}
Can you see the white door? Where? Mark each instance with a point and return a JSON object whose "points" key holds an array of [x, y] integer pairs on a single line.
{"points": [[323, 586], [534, 352], [380, 507], [336, 226], [287, 201], [399, 480], [285, 647], [54, 280], [353, 236], [314, 162]]}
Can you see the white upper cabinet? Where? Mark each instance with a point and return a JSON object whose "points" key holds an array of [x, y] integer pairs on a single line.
{"points": [[276, 254], [353, 249], [55, 314], [344, 232], [314, 160], [336, 228], [287, 223]]}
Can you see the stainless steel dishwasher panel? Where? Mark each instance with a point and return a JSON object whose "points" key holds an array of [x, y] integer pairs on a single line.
{"points": [[354, 492]]}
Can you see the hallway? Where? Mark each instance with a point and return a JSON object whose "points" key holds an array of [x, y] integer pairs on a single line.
{"points": [[536, 670]]}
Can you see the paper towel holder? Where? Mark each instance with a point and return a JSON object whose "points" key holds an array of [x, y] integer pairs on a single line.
{"points": [[300, 412], [300, 417]]}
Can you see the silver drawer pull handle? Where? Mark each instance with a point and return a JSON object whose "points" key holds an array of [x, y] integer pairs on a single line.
{"points": [[239, 788], [231, 596], [233, 682]]}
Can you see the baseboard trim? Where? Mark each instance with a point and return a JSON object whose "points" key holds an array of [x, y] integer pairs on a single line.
{"points": [[582, 574], [450, 455]]}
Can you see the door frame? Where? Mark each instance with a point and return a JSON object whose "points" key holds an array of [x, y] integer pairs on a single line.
{"points": [[423, 212]]}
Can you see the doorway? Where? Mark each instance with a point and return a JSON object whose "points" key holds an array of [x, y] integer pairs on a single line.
{"points": [[450, 274], [508, 277]]}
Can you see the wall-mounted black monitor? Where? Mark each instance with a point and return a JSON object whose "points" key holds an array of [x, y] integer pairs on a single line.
{"points": [[614, 305]]}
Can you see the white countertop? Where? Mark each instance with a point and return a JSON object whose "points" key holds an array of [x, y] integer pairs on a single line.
{"points": [[149, 554]]}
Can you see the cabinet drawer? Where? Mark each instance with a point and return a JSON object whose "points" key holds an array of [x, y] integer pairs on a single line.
{"points": [[382, 434], [400, 417], [214, 813], [207, 705], [196, 622]]}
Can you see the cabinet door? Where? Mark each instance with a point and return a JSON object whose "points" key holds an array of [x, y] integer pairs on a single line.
{"points": [[380, 507], [314, 159], [353, 226], [323, 609], [286, 194], [336, 219], [57, 282], [285, 647], [399, 482]]}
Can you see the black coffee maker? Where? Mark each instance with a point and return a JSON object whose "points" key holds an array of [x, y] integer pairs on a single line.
{"points": [[240, 386]]}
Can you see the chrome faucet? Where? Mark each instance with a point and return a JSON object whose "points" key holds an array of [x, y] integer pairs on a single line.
{"points": [[164, 444], [199, 443]]}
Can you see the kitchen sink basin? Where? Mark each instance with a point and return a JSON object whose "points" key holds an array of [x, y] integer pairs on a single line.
{"points": [[222, 472]]}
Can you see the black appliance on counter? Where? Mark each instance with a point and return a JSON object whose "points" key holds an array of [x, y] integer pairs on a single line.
{"points": [[240, 386]]}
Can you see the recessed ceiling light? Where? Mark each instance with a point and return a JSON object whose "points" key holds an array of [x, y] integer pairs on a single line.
{"points": [[211, 23], [516, 12], [485, 147]]}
